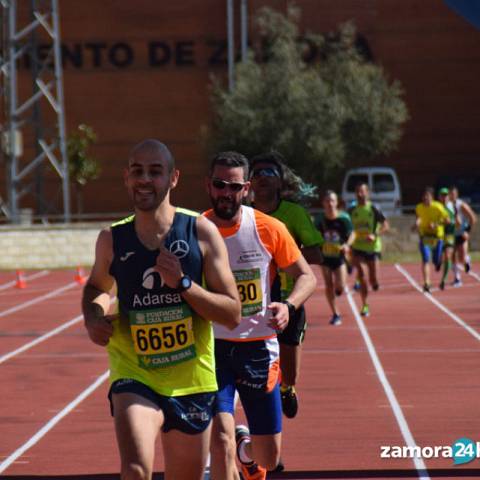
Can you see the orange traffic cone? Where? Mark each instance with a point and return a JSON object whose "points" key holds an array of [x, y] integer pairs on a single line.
{"points": [[21, 282], [80, 277]]}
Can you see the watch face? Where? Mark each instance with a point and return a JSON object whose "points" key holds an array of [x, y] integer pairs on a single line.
{"points": [[186, 282]]}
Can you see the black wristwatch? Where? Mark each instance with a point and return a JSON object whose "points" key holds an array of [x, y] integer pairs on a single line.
{"points": [[291, 309], [185, 284]]}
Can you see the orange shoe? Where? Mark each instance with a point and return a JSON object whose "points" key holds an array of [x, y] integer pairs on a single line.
{"points": [[253, 471], [250, 471]]}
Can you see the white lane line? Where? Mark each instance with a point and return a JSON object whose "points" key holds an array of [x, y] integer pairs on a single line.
{"points": [[397, 410], [444, 309], [471, 273], [42, 273], [41, 339], [39, 299], [44, 337], [52, 422], [474, 275]]}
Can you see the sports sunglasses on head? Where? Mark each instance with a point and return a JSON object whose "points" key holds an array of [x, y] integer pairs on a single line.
{"points": [[221, 184], [266, 172]]}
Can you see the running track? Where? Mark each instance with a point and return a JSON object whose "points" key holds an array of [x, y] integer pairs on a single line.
{"points": [[406, 375]]}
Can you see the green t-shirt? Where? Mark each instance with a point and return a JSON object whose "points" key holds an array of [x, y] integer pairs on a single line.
{"points": [[301, 227], [366, 220], [299, 223], [450, 227]]}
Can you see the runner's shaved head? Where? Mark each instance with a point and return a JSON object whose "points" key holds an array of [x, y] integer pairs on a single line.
{"points": [[153, 147]]}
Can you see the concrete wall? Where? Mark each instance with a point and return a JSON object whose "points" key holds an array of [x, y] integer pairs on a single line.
{"points": [[48, 247], [72, 245]]}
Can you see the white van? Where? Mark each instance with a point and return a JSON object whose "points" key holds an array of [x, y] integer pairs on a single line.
{"points": [[383, 184]]}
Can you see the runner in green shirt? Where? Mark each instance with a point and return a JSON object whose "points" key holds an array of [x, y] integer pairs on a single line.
{"points": [[269, 184], [369, 224]]}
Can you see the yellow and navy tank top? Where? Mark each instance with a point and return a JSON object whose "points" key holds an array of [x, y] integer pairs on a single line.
{"points": [[366, 220], [158, 339]]}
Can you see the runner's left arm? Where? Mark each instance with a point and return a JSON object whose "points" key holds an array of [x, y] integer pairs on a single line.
{"points": [[382, 220]]}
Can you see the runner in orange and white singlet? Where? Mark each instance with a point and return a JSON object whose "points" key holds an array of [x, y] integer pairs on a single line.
{"points": [[247, 357]]}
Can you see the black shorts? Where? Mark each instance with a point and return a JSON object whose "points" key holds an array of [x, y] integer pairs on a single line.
{"points": [[295, 331], [366, 256], [459, 240], [189, 413], [333, 262]]}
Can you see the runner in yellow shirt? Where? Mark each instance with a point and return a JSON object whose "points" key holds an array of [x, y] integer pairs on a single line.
{"points": [[430, 221]]}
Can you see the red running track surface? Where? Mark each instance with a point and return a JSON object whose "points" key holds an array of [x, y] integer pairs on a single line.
{"points": [[429, 360]]}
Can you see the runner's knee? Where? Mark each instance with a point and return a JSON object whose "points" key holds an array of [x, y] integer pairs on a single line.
{"points": [[135, 471], [269, 460], [222, 445]]}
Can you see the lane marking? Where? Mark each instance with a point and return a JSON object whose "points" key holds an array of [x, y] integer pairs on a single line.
{"points": [[395, 406], [46, 336], [39, 299], [40, 274], [442, 307], [52, 422], [474, 275], [471, 273], [41, 339]]}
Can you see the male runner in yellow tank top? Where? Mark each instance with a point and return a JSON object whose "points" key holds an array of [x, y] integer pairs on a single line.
{"points": [[160, 345]]}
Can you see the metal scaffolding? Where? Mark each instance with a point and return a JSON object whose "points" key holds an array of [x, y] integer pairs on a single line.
{"points": [[32, 121], [231, 37]]}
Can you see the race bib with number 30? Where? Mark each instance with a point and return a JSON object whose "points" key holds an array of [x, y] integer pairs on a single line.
{"points": [[250, 290]]}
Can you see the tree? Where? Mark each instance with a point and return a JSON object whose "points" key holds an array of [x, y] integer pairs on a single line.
{"points": [[82, 166], [318, 116]]}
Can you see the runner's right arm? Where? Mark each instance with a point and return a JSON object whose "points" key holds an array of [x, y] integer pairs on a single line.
{"points": [[96, 296]]}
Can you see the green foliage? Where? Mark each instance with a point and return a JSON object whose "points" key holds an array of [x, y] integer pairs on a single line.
{"points": [[317, 116], [82, 166]]}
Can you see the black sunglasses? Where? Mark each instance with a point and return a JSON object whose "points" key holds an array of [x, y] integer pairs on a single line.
{"points": [[221, 184]]}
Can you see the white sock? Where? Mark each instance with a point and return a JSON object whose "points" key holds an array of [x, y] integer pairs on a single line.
{"points": [[456, 271], [242, 452], [467, 259]]}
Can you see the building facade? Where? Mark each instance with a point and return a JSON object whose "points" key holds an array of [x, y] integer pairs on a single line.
{"points": [[135, 70]]}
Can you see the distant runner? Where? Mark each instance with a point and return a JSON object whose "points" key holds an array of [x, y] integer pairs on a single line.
{"points": [[465, 219], [431, 218], [336, 229], [369, 224]]}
